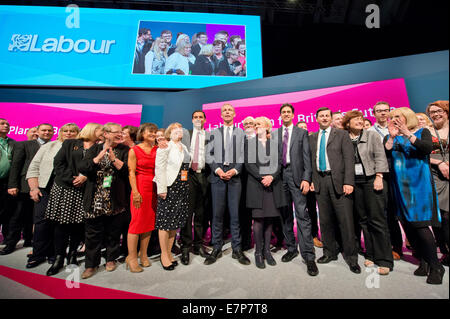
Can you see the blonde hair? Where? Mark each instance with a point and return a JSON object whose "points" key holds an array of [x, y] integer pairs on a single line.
{"points": [[207, 50], [182, 41], [426, 118], [88, 132], [266, 121], [411, 119], [169, 129], [108, 126], [67, 126], [156, 49]]}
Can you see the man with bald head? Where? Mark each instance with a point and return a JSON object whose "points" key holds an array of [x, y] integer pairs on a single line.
{"points": [[225, 156]]}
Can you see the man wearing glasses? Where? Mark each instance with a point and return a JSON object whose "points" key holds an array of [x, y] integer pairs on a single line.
{"points": [[381, 110]]}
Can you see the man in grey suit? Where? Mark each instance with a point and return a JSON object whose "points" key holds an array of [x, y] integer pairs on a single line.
{"points": [[225, 156], [293, 146], [333, 181]]}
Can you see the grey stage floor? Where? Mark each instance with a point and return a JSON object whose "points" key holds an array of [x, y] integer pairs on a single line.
{"points": [[227, 279]]}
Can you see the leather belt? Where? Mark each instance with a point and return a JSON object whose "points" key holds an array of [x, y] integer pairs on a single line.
{"points": [[324, 173]]}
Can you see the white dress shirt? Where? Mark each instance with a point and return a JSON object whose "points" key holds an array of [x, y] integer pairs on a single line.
{"points": [[288, 153], [327, 135], [201, 148], [381, 131]]}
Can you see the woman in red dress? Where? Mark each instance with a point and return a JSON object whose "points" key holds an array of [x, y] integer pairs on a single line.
{"points": [[141, 165]]}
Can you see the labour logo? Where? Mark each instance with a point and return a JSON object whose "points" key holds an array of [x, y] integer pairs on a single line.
{"points": [[20, 42]]}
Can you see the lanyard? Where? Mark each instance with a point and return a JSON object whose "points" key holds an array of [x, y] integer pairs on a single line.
{"points": [[378, 130]]}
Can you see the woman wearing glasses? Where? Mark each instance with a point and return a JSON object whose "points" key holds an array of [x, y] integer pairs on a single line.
{"points": [[106, 198], [438, 112]]}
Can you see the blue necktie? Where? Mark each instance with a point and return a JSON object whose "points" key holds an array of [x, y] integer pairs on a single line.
{"points": [[322, 150]]}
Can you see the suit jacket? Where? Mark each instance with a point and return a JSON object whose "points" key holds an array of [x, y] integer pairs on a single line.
{"points": [[258, 157], [341, 156], [196, 49], [22, 156], [167, 165], [120, 194], [187, 138], [42, 164], [67, 161], [300, 154], [203, 66], [372, 154], [215, 153]]}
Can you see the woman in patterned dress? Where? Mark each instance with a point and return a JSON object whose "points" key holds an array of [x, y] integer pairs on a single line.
{"points": [[408, 147], [172, 164], [65, 205], [141, 166], [106, 198], [438, 112]]}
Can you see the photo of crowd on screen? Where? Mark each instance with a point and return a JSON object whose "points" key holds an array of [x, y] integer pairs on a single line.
{"points": [[169, 48]]}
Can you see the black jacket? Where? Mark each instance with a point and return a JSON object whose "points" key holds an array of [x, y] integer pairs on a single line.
{"points": [[120, 194], [22, 156], [67, 161], [202, 66], [256, 159]]}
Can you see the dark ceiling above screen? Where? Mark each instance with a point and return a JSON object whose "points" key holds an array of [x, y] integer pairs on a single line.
{"points": [[85, 47]]}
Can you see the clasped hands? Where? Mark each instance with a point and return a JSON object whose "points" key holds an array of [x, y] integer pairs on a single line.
{"points": [[226, 176]]}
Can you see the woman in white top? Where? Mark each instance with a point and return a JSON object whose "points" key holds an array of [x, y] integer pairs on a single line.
{"points": [[171, 173], [179, 61], [155, 59]]}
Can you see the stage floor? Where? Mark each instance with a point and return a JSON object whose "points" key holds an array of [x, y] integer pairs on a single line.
{"points": [[226, 279]]}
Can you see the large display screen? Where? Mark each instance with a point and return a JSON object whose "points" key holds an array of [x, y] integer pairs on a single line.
{"points": [[23, 116], [362, 97], [85, 47]]}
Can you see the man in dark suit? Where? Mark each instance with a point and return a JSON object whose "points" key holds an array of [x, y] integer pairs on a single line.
{"points": [[333, 179], [6, 149], [198, 189], [225, 156], [293, 146], [202, 39], [143, 45], [22, 206]]}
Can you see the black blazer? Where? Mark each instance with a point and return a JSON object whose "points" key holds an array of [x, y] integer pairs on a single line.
{"points": [[300, 154], [120, 194], [67, 161], [196, 49], [223, 68], [256, 159], [202, 66], [22, 156], [341, 156]]}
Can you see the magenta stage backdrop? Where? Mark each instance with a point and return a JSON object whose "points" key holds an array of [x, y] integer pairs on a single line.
{"points": [[362, 96], [22, 116]]}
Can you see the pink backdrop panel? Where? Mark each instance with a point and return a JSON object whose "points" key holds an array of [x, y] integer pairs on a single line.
{"points": [[361, 96], [22, 116]]}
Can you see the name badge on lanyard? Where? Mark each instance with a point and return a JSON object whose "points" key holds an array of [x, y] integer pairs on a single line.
{"points": [[359, 169], [184, 176]]}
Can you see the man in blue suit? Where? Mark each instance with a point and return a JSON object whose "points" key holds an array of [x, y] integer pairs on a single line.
{"points": [[225, 156], [293, 146]]}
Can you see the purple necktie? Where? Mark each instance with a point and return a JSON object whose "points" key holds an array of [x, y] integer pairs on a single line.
{"points": [[285, 145]]}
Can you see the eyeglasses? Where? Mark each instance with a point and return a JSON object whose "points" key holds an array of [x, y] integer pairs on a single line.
{"points": [[382, 111], [440, 111]]}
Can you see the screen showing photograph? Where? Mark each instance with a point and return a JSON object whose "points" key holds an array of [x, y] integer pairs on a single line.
{"points": [[58, 114], [190, 49], [362, 97]]}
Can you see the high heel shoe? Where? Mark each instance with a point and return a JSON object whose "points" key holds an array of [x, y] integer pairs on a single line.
{"points": [[133, 265], [170, 267], [145, 262], [269, 258], [175, 263]]}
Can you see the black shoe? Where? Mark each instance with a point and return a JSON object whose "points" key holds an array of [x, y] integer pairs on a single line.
{"points": [[325, 259], [200, 250], [269, 258], [176, 250], [444, 260], [184, 257], [7, 250], [312, 269], [34, 263], [423, 269], [436, 275], [239, 255], [259, 261], [211, 259], [27, 243], [57, 266], [51, 260], [289, 256], [355, 268], [72, 258], [175, 263], [170, 267]]}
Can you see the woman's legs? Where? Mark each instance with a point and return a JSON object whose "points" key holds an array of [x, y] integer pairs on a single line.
{"points": [[165, 250]]}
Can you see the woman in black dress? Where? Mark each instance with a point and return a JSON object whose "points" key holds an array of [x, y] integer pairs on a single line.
{"points": [[265, 194], [65, 205], [106, 198]]}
